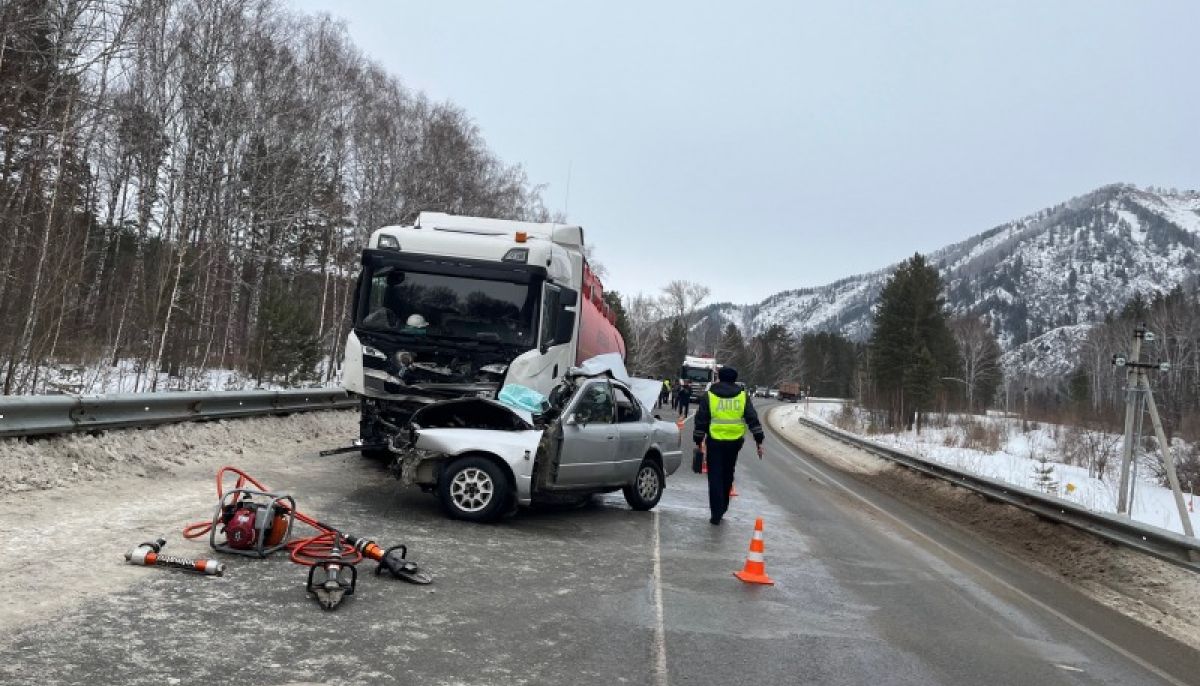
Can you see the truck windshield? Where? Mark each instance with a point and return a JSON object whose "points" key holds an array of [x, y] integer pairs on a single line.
{"points": [[697, 374], [447, 306]]}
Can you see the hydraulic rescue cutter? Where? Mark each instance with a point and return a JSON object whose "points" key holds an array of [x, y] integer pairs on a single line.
{"points": [[332, 578]]}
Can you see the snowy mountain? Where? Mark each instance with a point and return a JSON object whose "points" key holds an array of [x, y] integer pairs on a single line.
{"points": [[1053, 355], [1061, 267]]}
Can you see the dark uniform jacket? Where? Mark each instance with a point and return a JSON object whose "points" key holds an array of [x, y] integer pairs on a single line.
{"points": [[722, 389]]}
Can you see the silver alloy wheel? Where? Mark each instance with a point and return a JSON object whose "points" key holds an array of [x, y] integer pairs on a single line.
{"points": [[472, 489], [647, 482]]}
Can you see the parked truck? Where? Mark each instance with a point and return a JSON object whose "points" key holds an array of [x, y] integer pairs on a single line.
{"points": [[448, 311], [789, 391], [700, 372]]}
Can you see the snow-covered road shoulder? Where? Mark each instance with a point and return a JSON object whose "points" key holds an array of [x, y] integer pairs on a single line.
{"points": [[1156, 593], [71, 506]]}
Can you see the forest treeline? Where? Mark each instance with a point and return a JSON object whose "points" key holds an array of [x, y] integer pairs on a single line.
{"points": [[919, 358], [186, 185]]}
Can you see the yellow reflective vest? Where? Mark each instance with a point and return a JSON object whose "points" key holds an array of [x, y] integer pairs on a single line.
{"points": [[727, 423]]}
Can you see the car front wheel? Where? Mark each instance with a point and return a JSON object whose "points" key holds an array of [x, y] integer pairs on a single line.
{"points": [[474, 489], [647, 487]]}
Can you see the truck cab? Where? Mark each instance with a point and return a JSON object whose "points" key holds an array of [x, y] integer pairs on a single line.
{"points": [[454, 307], [698, 372]]}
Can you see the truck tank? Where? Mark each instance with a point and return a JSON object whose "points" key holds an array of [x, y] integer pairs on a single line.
{"points": [[597, 323]]}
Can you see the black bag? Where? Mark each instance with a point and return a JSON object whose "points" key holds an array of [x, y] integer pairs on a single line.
{"points": [[697, 461]]}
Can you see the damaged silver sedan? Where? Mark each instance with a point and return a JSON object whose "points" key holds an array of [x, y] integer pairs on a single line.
{"points": [[483, 458]]}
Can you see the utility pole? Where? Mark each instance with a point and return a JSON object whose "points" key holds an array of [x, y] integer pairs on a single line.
{"points": [[1131, 401], [1139, 411], [1139, 396], [1025, 410]]}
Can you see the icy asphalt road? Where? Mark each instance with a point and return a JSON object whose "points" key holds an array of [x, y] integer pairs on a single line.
{"points": [[868, 591]]}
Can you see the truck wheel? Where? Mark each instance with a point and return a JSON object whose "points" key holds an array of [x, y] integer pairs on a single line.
{"points": [[474, 489], [647, 487]]}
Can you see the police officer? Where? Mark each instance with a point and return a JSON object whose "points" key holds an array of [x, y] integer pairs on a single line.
{"points": [[684, 399], [724, 414]]}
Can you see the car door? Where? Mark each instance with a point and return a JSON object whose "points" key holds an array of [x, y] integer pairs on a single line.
{"points": [[633, 434], [589, 437]]}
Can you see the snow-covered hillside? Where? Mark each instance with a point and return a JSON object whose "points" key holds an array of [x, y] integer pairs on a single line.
{"points": [[1064, 266], [1049, 356]]}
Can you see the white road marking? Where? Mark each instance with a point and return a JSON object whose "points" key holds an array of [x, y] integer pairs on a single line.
{"points": [[1069, 668], [1064, 618], [660, 632]]}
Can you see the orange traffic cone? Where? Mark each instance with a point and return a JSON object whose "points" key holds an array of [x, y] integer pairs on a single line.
{"points": [[704, 466], [732, 491], [755, 571], [679, 423]]}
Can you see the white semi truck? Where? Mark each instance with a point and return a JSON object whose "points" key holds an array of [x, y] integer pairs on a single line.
{"points": [[699, 372], [453, 306], [451, 309]]}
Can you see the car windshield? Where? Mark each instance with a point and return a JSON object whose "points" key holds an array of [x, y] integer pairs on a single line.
{"points": [[443, 305]]}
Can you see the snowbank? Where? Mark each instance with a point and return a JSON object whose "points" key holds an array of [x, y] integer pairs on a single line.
{"points": [[128, 376], [49, 463], [1016, 461]]}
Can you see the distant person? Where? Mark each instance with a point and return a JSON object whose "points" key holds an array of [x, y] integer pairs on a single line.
{"points": [[724, 413], [664, 394], [685, 400]]}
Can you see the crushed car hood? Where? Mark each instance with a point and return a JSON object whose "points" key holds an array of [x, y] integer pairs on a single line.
{"points": [[471, 413]]}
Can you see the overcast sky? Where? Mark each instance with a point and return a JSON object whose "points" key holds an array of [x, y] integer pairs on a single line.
{"points": [[762, 146]]}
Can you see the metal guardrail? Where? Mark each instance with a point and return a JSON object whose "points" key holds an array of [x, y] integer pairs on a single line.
{"points": [[1165, 545], [55, 414]]}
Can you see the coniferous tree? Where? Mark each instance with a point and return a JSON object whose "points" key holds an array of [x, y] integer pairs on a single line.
{"points": [[675, 346], [1044, 478], [732, 351], [911, 347], [613, 299], [828, 362]]}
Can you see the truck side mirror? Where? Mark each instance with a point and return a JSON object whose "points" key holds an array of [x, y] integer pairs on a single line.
{"points": [[564, 326], [559, 321]]}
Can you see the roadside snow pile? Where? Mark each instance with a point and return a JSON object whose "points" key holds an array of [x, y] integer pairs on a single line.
{"points": [[838, 454], [130, 376], [1033, 459], [53, 462]]}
